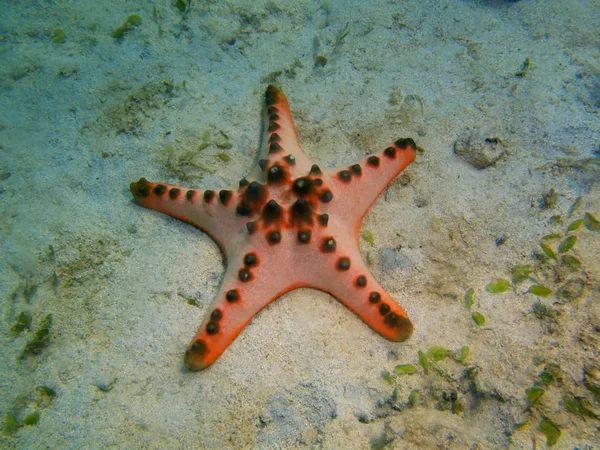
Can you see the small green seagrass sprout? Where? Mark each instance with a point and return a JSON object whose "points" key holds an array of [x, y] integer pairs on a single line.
{"points": [[31, 419], [368, 236], [540, 291], [46, 391], [181, 5], [521, 272], [22, 322], [478, 318], [11, 425], [437, 353], [405, 369], [591, 222], [40, 339], [551, 431], [461, 354], [58, 36], [498, 286], [223, 156], [132, 21], [534, 393], [580, 406], [469, 298]]}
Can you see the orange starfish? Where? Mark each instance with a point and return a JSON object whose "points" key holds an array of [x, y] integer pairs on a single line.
{"points": [[289, 224]]}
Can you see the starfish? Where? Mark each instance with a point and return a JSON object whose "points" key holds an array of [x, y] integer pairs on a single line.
{"points": [[289, 224]]}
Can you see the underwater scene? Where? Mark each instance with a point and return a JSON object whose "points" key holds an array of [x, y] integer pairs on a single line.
{"points": [[337, 224]]}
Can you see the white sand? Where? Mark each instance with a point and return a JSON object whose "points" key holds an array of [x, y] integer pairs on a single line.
{"points": [[305, 373]]}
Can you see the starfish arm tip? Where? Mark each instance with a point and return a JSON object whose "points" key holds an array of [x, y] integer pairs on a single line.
{"points": [[403, 331]]}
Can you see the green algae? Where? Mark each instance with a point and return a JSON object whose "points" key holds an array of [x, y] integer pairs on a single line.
{"points": [[521, 272], [41, 338], [437, 353], [498, 286], [469, 298], [540, 291], [131, 22], [31, 419], [22, 322], [567, 244], [478, 318], [551, 431], [534, 393], [405, 369], [58, 36]]}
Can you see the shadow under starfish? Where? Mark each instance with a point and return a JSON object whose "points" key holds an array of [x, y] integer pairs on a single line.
{"points": [[289, 224]]}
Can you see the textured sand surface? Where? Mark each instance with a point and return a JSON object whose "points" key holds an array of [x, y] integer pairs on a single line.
{"points": [[178, 98]]}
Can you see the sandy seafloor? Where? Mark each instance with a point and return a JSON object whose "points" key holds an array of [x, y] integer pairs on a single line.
{"points": [[179, 99]]}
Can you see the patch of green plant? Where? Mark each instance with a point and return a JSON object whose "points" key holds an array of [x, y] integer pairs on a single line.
{"points": [[550, 236], [11, 424], [30, 289], [368, 236], [442, 398], [549, 199], [555, 219], [575, 225], [593, 387], [182, 5], [341, 36], [461, 354], [320, 61], [524, 68], [521, 272], [405, 369], [540, 291], [41, 338], [423, 361], [387, 376], [222, 140], [551, 431], [469, 298], [22, 322], [572, 289], [271, 77], [542, 310], [31, 419], [498, 286], [131, 22], [548, 250], [580, 406], [555, 262], [413, 398], [478, 318], [58, 36], [591, 222], [572, 263], [437, 353], [46, 391], [450, 402], [550, 374], [382, 440], [534, 393], [567, 244], [224, 156]]}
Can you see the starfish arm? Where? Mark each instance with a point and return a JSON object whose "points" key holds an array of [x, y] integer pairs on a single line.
{"points": [[247, 288], [355, 287], [357, 186], [211, 211], [279, 144]]}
